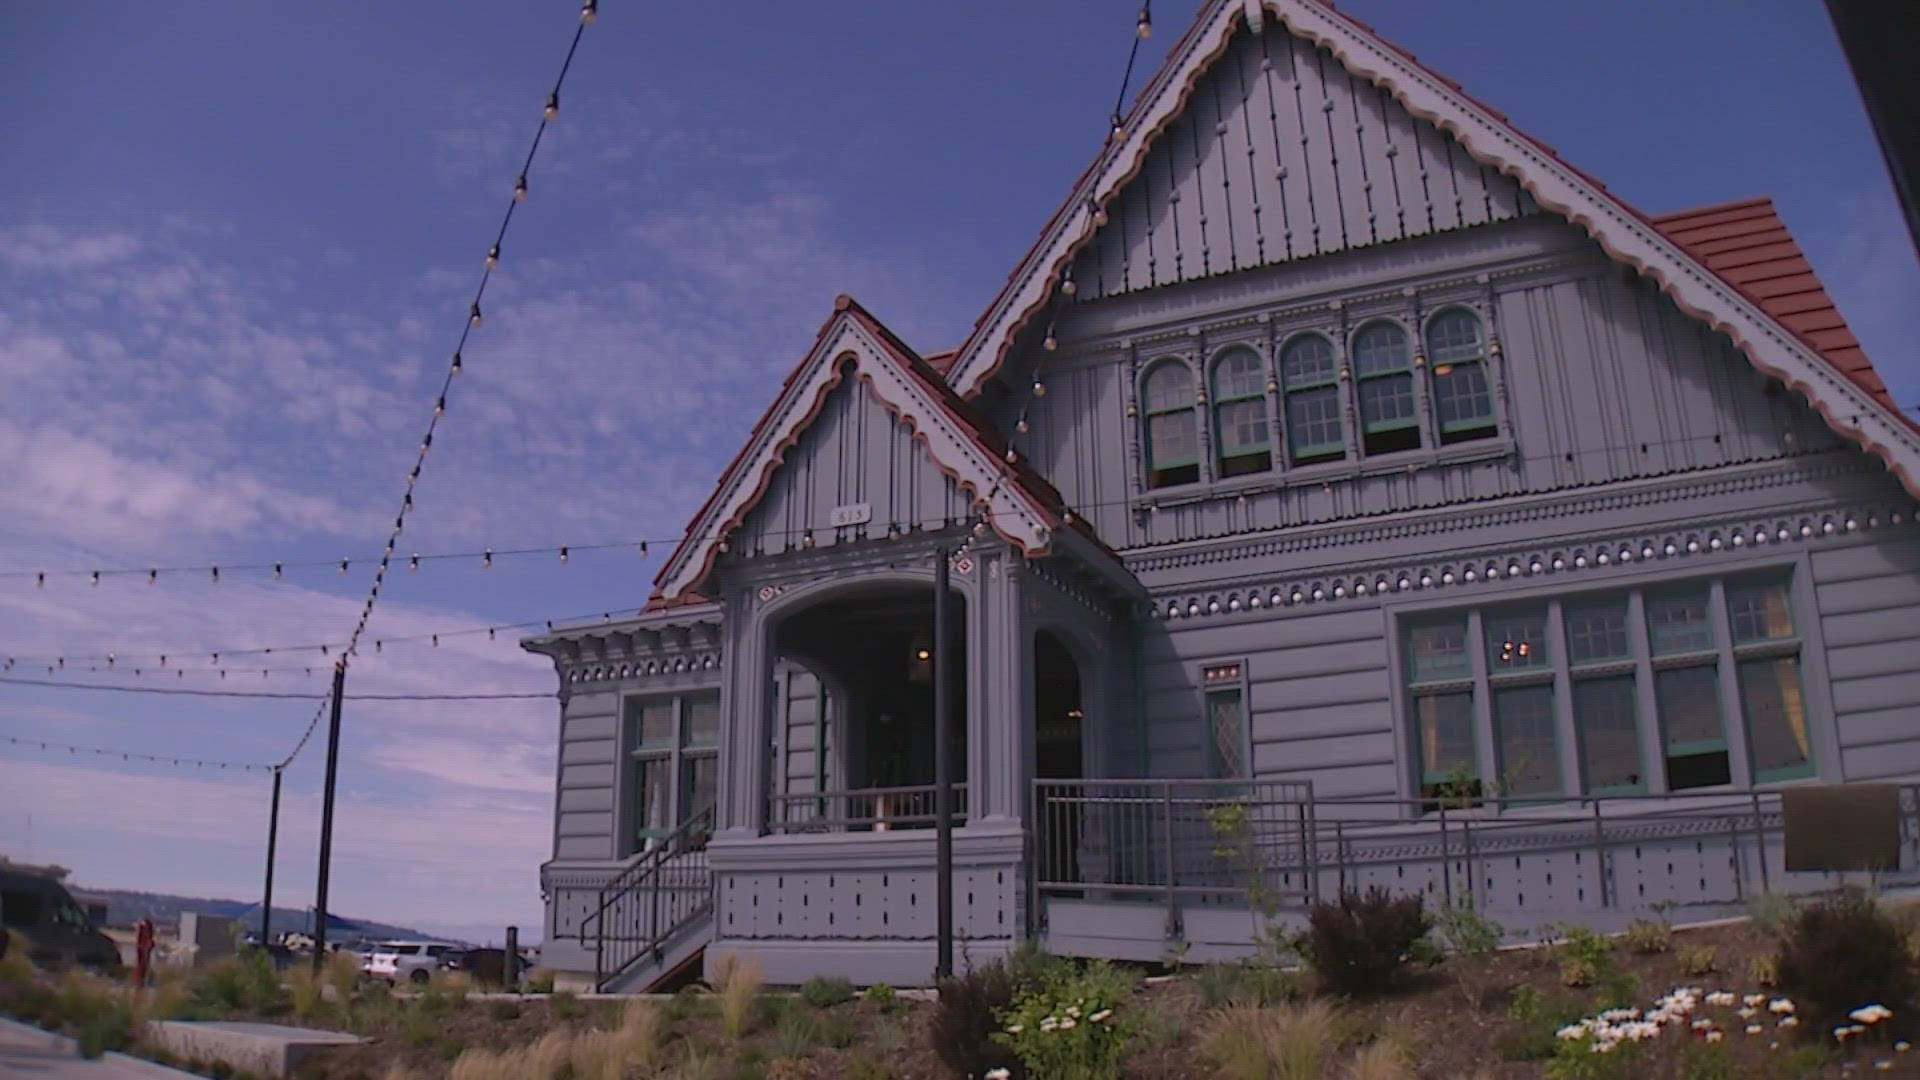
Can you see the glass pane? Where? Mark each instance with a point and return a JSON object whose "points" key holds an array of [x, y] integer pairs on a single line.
{"points": [[703, 720], [1238, 374], [1516, 641], [1597, 632], [1759, 612], [1243, 426], [1461, 397], [1308, 359], [1776, 715], [1454, 336], [699, 784], [1523, 735], [1386, 399], [1438, 651], [652, 797], [1444, 725], [651, 723], [1689, 700], [1605, 715], [1678, 624], [1227, 728], [1380, 348], [1170, 386], [1313, 419], [1173, 438]]}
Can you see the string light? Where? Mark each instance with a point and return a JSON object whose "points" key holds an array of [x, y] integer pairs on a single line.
{"points": [[129, 755], [1143, 26], [269, 695], [519, 192], [589, 10], [552, 111]]}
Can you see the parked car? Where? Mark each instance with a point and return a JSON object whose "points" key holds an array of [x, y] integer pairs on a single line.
{"points": [[486, 966], [406, 961], [52, 927]]}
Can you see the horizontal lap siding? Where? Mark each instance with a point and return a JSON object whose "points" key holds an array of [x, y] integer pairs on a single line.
{"points": [[589, 762], [1317, 698], [1868, 597]]}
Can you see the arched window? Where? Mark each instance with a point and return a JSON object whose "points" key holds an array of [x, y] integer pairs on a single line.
{"points": [[1312, 381], [1383, 380], [1462, 391], [1173, 429], [1240, 413]]}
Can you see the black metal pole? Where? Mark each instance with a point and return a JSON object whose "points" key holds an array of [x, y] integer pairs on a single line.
{"points": [[942, 768], [273, 839], [326, 819]]}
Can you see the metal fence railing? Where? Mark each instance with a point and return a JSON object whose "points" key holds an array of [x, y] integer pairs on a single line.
{"points": [[860, 810]]}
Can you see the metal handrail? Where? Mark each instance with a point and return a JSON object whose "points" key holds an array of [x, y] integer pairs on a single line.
{"points": [[647, 874], [919, 799]]}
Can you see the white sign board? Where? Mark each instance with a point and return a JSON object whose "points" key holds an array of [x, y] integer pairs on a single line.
{"points": [[852, 514]]}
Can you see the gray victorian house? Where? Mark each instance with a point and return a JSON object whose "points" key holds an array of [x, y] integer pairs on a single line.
{"points": [[1343, 490]]}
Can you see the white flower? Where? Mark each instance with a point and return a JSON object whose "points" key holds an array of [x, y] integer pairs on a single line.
{"points": [[998, 1074], [1871, 1014], [1049, 1023], [1012, 1029], [1903, 1046], [1884, 1065], [1753, 1029], [1841, 1032], [1716, 1035], [1789, 1021], [1073, 1011], [1754, 999], [1068, 1024], [1721, 997], [1749, 1012], [1780, 1005], [1099, 1016], [1702, 1025], [1572, 1032]]}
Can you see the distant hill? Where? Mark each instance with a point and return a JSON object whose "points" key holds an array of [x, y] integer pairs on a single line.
{"points": [[125, 908]]}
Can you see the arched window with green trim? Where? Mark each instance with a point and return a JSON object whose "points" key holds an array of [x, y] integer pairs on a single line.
{"points": [[1310, 375], [1383, 383], [1173, 425], [1462, 387], [1240, 413]]}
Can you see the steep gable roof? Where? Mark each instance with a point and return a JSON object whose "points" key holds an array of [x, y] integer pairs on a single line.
{"points": [[1015, 500], [1762, 317]]}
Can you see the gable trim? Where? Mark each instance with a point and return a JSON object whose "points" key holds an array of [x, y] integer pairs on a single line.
{"points": [[846, 343], [1489, 138]]}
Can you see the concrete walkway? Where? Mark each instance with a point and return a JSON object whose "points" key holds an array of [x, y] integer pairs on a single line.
{"points": [[31, 1054]]}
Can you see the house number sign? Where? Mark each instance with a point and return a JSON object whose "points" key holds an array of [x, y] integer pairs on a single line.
{"points": [[851, 514]]}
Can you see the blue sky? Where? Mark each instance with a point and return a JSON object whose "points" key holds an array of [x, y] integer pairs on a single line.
{"points": [[237, 242]]}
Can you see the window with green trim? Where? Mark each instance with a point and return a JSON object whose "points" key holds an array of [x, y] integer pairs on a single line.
{"points": [[1310, 376], [1462, 389], [1517, 641], [1776, 718], [1597, 632], [1606, 718], [1694, 737], [1383, 383], [1173, 430], [1228, 748], [673, 763], [1240, 413], [1525, 740]]}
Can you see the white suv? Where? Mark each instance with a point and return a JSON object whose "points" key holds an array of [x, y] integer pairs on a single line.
{"points": [[408, 961]]}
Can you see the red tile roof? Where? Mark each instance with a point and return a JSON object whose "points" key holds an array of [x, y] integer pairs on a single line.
{"points": [[1748, 245]]}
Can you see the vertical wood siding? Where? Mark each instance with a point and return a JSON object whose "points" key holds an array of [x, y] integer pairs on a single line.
{"points": [[1282, 155]]}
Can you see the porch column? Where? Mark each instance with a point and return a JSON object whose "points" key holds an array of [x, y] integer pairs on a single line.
{"points": [[1006, 704], [745, 742]]}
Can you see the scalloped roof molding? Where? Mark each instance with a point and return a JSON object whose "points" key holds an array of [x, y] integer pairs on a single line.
{"points": [[1557, 186], [887, 369]]}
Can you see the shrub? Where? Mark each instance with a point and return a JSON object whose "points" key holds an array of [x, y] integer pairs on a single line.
{"points": [[1381, 1061], [107, 1024], [638, 1037], [1245, 984], [1071, 1024], [883, 997], [1843, 953], [1706, 1061], [1290, 1043], [565, 1006], [540, 981], [1764, 971], [862, 1067], [788, 1068], [1463, 930], [1772, 913], [309, 992], [1577, 972], [1359, 942], [1647, 938], [246, 982], [737, 984], [965, 1020], [15, 968], [503, 1011], [1698, 960], [821, 992], [796, 1035]]}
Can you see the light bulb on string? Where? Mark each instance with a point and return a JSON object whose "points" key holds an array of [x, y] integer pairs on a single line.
{"points": [[474, 315], [1039, 388], [1020, 425], [520, 189], [1099, 212], [643, 549], [1050, 342], [343, 565], [413, 563], [1115, 126], [1068, 287], [493, 256], [214, 573], [552, 111], [589, 10], [486, 559], [456, 356], [563, 556], [40, 580], [1143, 26], [440, 406], [96, 577], [153, 577]]}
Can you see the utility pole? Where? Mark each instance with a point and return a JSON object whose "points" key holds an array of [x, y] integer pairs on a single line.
{"points": [[273, 838], [326, 819], [942, 768]]}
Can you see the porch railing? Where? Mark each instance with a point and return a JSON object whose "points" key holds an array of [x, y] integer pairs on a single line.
{"points": [[860, 810], [664, 891]]}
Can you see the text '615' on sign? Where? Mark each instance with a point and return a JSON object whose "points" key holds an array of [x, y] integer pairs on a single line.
{"points": [[852, 514]]}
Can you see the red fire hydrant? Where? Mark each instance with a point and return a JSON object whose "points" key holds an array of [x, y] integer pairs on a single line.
{"points": [[142, 951]]}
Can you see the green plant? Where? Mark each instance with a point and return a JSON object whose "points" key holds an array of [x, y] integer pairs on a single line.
{"points": [[245, 982], [540, 981], [1359, 942], [966, 1018], [862, 1067], [1698, 960], [883, 997], [1072, 1024], [1385, 1060], [1577, 972], [1647, 937], [1461, 929], [737, 984], [788, 1068], [837, 1033], [1247, 1043], [1030, 965], [564, 1006], [1576, 1059], [503, 1011], [1249, 983], [1772, 912], [1842, 953], [1764, 971], [796, 1035], [1232, 827], [821, 992], [108, 1025], [1706, 1061]]}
